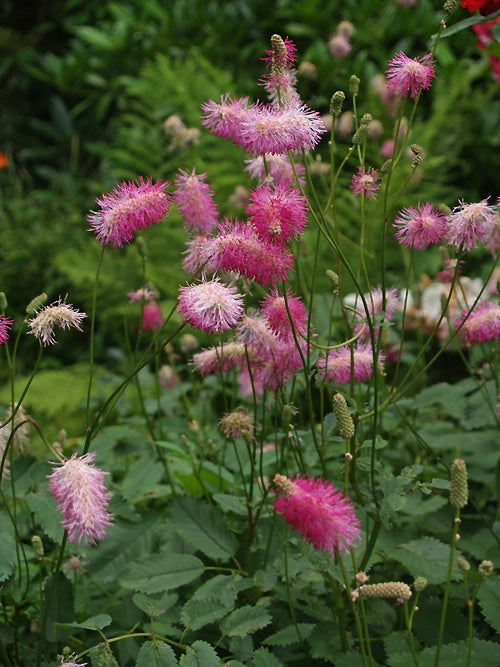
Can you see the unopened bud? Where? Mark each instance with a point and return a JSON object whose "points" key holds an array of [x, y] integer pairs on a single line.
{"points": [[386, 168], [3, 302], [37, 545], [388, 589], [360, 135], [36, 303], [366, 119], [463, 564], [451, 6], [485, 568], [345, 425], [459, 492], [336, 103], [354, 85], [385, 335], [141, 246], [361, 578], [442, 208], [419, 155], [419, 584], [283, 485], [334, 279]]}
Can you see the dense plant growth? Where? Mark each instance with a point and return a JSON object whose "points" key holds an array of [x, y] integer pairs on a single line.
{"points": [[250, 405]]}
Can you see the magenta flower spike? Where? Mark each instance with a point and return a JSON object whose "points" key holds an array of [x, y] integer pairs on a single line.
{"points": [[277, 213], [470, 224], [130, 207], [5, 327], [78, 487], [318, 511], [366, 182], [480, 324], [338, 365], [194, 198], [419, 227]]}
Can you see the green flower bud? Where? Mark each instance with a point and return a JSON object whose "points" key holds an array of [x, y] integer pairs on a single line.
{"points": [[336, 103], [386, 168], [345, 425], [463, 564], [419, 154], [485, 568], [354, 85], [334, 279], [37, 545], [36, 303], [419, 584], [459, 491], [451, 5], [360, 135], [3, 302]]}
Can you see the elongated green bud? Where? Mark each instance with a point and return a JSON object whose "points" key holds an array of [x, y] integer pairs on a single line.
{"points": [[336, 103], [37, 545], [418, 155], [388, 589], [459, 491], [334, 279], [141, 246], [360, 135], [345, 425], [386, 168], [3, 302], [451, 6], [463, 564], [354, 85], [35, 303]]}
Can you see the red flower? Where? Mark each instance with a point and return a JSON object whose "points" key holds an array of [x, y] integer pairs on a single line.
{"points": [[485, 6]]}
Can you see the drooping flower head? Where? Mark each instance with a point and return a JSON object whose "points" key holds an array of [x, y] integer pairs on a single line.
{"points": [[238, 247], [419, 227], [268, 128], [276, 169], [60, 314], [480, 324], [5, 327], [281, 313], [409, 75], [152, 317], [278, 213], [128, 208], [78, 487], [470, 224], [224, 357], [224, 118], [339, 364], [318, 511], [194, 198], [366, 182], [143, 294], [210, 306]]}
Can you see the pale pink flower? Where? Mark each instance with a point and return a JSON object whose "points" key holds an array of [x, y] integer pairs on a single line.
{"points": [[152, 317], [198, 255], [470, 224], [130, 207], [224, 119], [419, 227], [268, 128], [239, 248], [493, 240], [410, 75], [60, 314], [481, 323], [5, 327], [71, 657], [277, 213], [281, 313], [336, 365], [366, 182], [142, 294], [194, 198], [339, 46], [78, 487], [387, 149], [276, 169], [318, 511], [210, 306], [225, 357]]}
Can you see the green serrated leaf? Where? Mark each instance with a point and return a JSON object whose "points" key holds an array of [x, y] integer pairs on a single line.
{"points": [[95, 623], [154, 606], [489, 600], [290, 635], [59, 609], [484, 654], [202, 526], [230, 503], [198, 613], [263, 657], [200, 654], [162, 572], [7, 547], [44, 507], [156, 654], [426, 557], [245, 620], [102, 656]]}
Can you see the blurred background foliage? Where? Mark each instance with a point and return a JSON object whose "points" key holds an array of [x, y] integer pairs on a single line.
{"points": [[87, 86]]}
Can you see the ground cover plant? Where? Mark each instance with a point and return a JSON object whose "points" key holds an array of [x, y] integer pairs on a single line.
{"points": [[291, 456]]}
